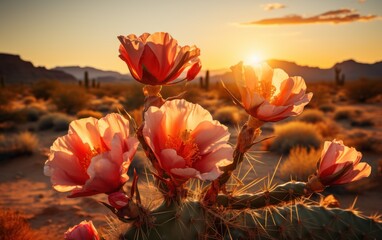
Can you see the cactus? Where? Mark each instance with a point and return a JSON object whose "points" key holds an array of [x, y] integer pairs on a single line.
{"points": [[339, 78], [93, 83], [86, 79], [201, 83], [207, 80], [192, 220], [80, 83]]}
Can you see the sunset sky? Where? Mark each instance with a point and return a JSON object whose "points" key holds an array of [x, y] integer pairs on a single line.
{"points": [[84, 32]]}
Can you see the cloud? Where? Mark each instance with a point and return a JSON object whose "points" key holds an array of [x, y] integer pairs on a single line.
{"points": [[273, 6], [335, 16]]}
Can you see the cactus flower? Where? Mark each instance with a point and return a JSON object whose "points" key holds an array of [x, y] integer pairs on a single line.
{"points": [[157, 59], [340, 164], [186, 141], [93, 157], [268, 94], [83, 231]]}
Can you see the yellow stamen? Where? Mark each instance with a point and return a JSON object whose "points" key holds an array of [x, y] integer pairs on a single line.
{"points": [[185, 147]]}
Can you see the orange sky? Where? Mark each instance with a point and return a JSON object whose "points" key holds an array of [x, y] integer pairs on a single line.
{"points": [[316, 33]]}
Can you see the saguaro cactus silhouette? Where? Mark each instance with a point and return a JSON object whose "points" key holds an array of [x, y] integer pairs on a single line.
{"points": [[339, 78], [86, 79]]}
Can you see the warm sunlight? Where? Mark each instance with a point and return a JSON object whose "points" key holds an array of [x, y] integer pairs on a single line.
{"points": [[254, 59]]}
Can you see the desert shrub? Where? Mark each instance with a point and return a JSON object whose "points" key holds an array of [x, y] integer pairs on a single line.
{"points": [[363, 89], [300, 164], [23, 143], [362, 140], [312, 116], [13, 115], [62, 123], [227, 115], [6, 97], [15, 227], [343, 114], [327, 129], [322, 94], [362, 122], [89, 113], [29, 99], [327, 108], [33, 113], [134, 97], [293, 134], [70, 99], [45, 88], [56, 121]]}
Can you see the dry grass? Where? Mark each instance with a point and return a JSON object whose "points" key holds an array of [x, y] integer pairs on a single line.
{"points": [[293, 134], [70, 98], [89, 113], [14, 227], [364, 89], [312, 116], [24, 143], [228, 115], [300, 164], [328, 129]]}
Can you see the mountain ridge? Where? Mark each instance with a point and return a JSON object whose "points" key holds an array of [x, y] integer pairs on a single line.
{"points": [[13, 69], [16, 70]]}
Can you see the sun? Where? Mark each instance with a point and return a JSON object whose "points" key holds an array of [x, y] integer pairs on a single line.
{"points": [[254, 59]]}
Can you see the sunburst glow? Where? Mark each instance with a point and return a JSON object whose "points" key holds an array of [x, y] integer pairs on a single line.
{"points": [[254, 59]]}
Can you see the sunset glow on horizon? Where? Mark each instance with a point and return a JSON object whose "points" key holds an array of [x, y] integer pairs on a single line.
{"points": [[84, 33]]}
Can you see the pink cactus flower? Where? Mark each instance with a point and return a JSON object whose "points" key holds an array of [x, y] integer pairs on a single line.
{"points": [[268, 94], [93, 157], [83, 231], [186, 141], [340, 164], [157, 59]]}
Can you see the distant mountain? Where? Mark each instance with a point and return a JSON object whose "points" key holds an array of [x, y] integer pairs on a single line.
{"points": [[94, 73], [15, 70], [353, 71]]}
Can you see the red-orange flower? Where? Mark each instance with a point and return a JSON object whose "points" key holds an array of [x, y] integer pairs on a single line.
{"points": [[93, 157], [268, 94], [340, 164], [157, 59], [83, 231]]}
